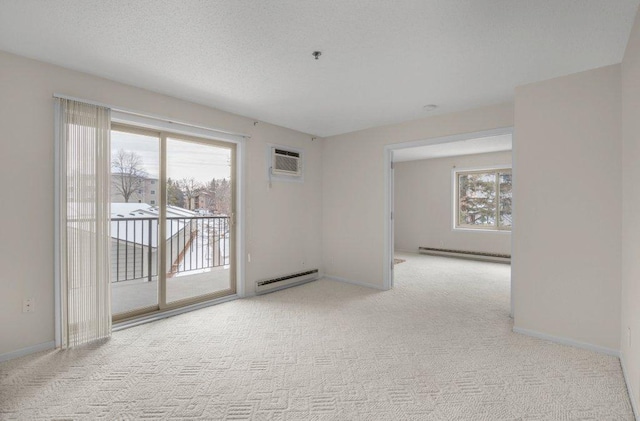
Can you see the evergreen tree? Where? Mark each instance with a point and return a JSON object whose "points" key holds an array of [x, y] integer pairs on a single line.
{"points": [[175, 197], [506, 196], [477, 199]]}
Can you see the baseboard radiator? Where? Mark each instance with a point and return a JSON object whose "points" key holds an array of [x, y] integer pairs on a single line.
{"points": [[275, 284], [473, 255]]}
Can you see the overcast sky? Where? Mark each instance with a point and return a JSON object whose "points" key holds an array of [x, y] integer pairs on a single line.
{"points": [[184, 159]]}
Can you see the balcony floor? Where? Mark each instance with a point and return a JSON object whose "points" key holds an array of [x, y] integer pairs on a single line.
{"points": [[139, 293]]}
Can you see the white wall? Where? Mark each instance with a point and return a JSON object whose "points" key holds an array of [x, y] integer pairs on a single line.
{"points": [[283, 225], [631, 213], [566, 238], [353, 187], [423, 210]]}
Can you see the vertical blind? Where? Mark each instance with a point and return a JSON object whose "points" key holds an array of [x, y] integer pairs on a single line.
{"points": [[84, 153]]}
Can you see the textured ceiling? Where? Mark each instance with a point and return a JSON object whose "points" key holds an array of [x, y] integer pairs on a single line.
{"points": [[464, 147], [382, 61]]}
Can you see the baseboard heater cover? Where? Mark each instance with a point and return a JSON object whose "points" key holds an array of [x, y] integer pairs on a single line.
{"points": [[274, 284], [476, 255]]}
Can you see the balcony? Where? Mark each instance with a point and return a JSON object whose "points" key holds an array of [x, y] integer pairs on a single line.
{"points": [[197, 249]]}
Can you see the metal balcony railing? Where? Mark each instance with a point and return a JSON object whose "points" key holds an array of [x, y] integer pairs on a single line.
{"points": [[193, 243]]}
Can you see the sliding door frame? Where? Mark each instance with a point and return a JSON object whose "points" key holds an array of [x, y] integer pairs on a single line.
{"points": [[162, 304]]}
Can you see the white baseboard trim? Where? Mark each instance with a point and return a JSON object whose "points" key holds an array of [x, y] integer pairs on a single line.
{"points": [[461, 255], [630, 391], [27, 351], [566, 341], [358, 283]]}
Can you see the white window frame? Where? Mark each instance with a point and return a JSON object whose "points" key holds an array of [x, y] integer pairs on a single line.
{"points": [[456, 199]]}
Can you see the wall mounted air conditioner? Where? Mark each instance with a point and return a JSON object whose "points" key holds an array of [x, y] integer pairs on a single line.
{"points": [[286, 162]]}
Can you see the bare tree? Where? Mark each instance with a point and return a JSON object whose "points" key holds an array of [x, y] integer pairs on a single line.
{"points": [[191, 189], [218, 196], [209, 192], [128, 173], [223, 197]]}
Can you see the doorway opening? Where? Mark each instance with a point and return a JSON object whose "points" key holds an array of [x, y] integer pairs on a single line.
{"points": [[450, 196]]}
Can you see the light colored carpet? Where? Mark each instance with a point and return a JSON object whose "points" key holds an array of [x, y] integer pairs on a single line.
{"points": [[438, 346]]}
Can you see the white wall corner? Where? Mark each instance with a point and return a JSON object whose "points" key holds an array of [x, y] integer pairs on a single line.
{"points": [[249, 292], [566, 341], [630, 391], [27, 351]]}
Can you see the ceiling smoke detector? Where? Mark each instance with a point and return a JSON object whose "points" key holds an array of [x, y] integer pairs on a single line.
{"points": [[430, 107], [316, 54]]}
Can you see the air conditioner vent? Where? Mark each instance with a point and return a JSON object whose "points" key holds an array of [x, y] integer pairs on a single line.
{"points": [[289, 153], [286, 162]]}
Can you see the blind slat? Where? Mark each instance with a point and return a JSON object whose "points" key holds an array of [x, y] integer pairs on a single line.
{"points": [[85, 269]]}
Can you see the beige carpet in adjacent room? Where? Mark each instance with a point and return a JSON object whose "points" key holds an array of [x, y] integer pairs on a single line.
{"points": [[438, 346]]}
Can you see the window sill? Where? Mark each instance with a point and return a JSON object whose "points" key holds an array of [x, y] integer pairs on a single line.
{"points": [[483, 230]]}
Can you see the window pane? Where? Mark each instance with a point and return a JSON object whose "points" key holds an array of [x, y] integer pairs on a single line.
{"points": [[477, 199], [505, 200], [198, 242], [135, 160]]}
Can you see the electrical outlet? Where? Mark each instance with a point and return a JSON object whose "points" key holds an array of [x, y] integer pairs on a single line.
{"points": [[28, 305]]}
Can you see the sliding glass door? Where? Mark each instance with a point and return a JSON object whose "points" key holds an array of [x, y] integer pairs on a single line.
{"points": [[172, 227], [199, 239], [135, 166]]}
